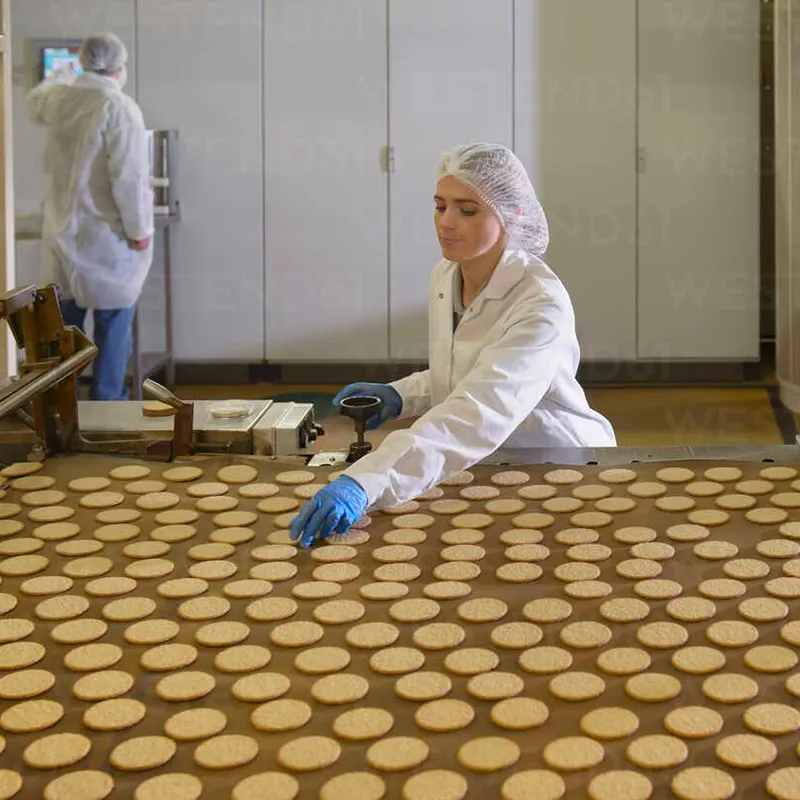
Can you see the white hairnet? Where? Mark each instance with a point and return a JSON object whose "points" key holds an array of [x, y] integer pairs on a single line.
{"points": [[498, 177], [104, 53]]}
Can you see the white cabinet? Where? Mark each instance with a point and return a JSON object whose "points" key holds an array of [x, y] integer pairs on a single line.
{"points": [[349, 238], [585, 121], [199, 70], [699, 130], [326, 223], [451, 81], [648, 120]]}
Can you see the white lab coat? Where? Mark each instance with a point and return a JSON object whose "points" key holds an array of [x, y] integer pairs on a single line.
{"points": [[506, 377], [98, 193]]}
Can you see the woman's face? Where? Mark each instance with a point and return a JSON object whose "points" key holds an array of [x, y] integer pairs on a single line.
{"points": [[466, 227]]}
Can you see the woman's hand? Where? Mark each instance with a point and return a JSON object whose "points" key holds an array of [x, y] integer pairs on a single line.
{"points": [[333, 509], [391, 402]]}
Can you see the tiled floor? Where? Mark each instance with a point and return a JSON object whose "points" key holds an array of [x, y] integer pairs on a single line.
{"points": [[641, 416]]}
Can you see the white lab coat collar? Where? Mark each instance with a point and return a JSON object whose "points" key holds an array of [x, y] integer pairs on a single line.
{"points": [[509, 271]]}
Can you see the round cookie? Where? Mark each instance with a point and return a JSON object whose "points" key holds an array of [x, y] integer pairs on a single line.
{"points": [[608, 724], [784, 784], [694, 722], [488, 754], [396, 660], [227, 751], [114, 715], [545, 660], [423, 686], [471, 661], [397, 753], [653, 687], [573, 754], [279, 716], [746, 751], [729, 687], [185, 685], [85, 784], [691, 609], [260, 687], [519, 713], [657, 752], [620, 783], [440, 783], [732, 633], [772, 719], [576, 686], [444, 715], [363, 724], [698, 660], [177, 785], [439, 636], [353, 786], [495, 685], [534, 784], [763, 609], [56, 751], [142, 753]]}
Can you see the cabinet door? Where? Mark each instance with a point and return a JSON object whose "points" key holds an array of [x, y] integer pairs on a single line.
{"points": [[450, 83], [198, 72], [326, 192], [583, 112], [699, 179]]}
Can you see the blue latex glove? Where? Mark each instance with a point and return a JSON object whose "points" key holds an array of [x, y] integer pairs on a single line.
{"points": [[333, 509], [392, 403]]}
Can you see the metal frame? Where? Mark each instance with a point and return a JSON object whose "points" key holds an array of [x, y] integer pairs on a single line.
{"points": [[143, 365]]}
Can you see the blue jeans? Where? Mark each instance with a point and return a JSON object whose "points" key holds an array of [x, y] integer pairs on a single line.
{"points": [[113, 335]]}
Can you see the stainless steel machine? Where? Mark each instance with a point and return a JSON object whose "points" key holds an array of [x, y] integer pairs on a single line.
{"points": [[40, 412]]}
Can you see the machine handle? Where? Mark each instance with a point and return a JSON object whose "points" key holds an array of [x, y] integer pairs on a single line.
{"points": [[159, 392]]}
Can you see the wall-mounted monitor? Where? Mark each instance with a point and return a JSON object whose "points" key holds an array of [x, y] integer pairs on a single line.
{"points": [[53, 55]]}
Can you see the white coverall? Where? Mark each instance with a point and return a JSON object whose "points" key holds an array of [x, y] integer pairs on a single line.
{"points": [[506, 377], [99, 194]]}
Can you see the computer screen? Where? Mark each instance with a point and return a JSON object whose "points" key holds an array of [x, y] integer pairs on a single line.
{"points": [[55, 58]]}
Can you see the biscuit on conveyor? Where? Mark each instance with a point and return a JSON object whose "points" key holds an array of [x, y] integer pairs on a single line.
{"points": [[87, 783], [772, 719], [620, 783], [397, 753], [440, 783], [534, 784], [56, 751], [519, 713], [444, 715], [573, 754], [226, 751], [422, 687], [623, 661], [608, 724], [170, 786], [746, 751], [274, 785], [693, 722], [362, 724], [280, 716], [489, 754], [353, 786], [657, 751]]}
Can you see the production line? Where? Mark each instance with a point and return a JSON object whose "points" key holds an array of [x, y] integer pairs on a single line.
{"points": [[610, 623]]}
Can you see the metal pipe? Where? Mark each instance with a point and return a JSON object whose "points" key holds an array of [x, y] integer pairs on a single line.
{"points": [[70, 365]]}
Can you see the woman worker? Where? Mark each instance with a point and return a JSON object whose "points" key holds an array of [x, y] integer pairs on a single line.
{"points": [[503, 351]]}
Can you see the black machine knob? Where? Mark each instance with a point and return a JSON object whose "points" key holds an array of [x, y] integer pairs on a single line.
{"points": [[360, 409]]}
